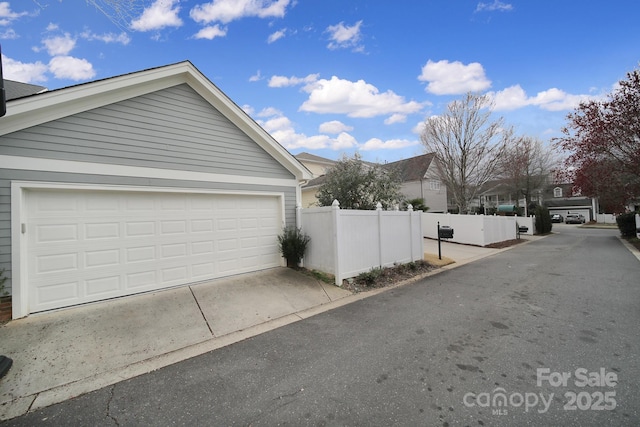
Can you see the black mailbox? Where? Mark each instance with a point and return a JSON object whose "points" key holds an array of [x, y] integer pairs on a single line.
{"points": [[445, 232]]}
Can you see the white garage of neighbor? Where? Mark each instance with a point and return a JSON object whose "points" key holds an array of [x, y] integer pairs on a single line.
{"points": [[138, 183]]}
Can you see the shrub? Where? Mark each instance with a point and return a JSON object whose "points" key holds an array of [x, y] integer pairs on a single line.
{"points": [[627, 224], [293, 244], [3, 279], [369, 277], [543, 220], [418, 205]]}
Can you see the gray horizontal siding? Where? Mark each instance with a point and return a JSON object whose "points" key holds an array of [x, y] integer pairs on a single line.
{"points": [[171, 129], [7, 175]]}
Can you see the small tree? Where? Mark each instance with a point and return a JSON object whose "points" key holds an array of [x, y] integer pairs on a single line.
{"points": [[468, 145], [359, 185], [525, 167]]}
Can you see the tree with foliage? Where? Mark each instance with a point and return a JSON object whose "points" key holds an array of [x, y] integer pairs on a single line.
{"points": [[468, 144], [525, 167], [602, 140], [359, 185]]}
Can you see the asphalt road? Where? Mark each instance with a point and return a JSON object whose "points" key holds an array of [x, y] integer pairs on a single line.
{"points": [[542, 334]]}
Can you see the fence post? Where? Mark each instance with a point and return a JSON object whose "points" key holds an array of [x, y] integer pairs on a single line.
{"points": [[379, 210], [335, 219], [299, 216], [410, 211]]}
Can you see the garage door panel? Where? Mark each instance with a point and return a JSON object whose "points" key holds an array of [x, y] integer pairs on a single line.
{"points": [[102, 230], [103, 287], [53, 295], [85, 246]]}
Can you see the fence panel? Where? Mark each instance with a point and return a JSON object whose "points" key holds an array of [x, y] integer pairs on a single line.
{"points": [[346, 243], [479, 230]]}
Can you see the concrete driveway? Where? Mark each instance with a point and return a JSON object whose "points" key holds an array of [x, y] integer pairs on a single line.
{"points": [[62, 354]]}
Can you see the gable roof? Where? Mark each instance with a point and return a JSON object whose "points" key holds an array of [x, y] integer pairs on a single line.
{"points": [[413, 168], [15, 90], [308, 157], [51, 105]]}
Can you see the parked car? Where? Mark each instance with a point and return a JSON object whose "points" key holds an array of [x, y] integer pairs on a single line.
{"points": [[557, 218], [574, 219]]}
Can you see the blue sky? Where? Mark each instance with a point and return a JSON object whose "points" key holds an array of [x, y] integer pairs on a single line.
{"points": [[333, 77]]}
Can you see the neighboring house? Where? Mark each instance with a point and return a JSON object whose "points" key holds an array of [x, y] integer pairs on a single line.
{"points": [[318, 167], [14, 90], [418, 174], [136, 183], [420, 181], [559, 198], [316, 164]]}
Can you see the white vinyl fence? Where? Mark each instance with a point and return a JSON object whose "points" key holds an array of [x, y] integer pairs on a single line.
{"points": [[346, 242], [479, 230], [606, 218]]}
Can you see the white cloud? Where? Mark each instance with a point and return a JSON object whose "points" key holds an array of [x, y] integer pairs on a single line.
{"points": [[161, 14], [282, 81], [553, 99], [276, 36], [256, 77], [211, 32], [344, 37], [23, 72], [68, 67], [283, 131], [9, 34], [248, 109], [396, 118], [391, 144], [226, 11], [355, 99], [453, 78], [7, 15], [334, 127], [122, 38], [59, 45], [496, 5]]}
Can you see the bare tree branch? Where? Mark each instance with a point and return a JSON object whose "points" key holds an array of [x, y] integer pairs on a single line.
{"points": [[468, 145]]}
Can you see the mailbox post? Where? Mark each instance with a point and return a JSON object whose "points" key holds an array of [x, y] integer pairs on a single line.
{"points": [[444, 232]]}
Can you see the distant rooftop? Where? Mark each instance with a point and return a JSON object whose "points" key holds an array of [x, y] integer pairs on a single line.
{"points": [[15, 90]]}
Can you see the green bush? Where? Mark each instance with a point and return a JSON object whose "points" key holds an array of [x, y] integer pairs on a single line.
{"points": [[3, 279], [293, 244], [369, 277], [543, 220], [627, 224]]}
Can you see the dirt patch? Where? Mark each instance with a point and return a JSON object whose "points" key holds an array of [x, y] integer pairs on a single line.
{"points": [[505, 244], [380, 277]]}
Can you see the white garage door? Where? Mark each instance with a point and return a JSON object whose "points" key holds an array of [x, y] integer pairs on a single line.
{"points": [[85, 246]]}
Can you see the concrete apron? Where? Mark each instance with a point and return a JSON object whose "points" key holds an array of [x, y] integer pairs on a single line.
{"points": [[62, 354]]}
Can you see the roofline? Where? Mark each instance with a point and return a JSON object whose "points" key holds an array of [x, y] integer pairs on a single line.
{"points": [[33, 110]]}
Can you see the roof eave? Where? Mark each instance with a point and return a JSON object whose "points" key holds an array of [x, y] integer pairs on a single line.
{"points": [[31, 111]]}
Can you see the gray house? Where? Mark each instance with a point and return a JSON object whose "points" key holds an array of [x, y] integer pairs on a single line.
{"points": [[136, 183]]}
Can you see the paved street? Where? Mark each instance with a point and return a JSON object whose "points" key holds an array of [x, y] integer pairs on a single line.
{"points": [[542, 334]]}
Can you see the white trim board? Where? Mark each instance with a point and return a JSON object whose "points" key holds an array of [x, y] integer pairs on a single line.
{"points": [[89, 168]]}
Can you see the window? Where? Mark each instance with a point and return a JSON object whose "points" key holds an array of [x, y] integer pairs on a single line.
{"points": [[434, 185], [557, 192]]}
